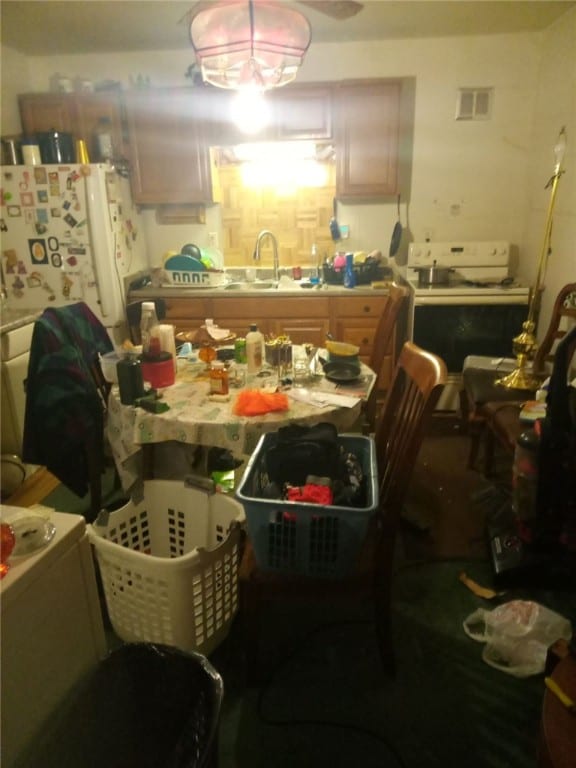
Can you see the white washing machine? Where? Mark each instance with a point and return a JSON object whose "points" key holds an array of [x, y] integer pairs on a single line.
{"points": [[52, 631], [15, 349]]}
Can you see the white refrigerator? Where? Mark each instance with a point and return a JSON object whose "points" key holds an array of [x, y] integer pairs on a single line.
{"points": [[69, 233]]}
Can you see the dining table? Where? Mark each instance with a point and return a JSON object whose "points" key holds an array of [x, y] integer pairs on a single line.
{"points": [[192, 418]]}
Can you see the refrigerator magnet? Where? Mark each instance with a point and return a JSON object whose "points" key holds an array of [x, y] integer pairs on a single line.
{"points": [[14, 210], [34, 280], [42, 195], [27, 199], [11, 260], [70, 220], [40, 175], [53, 243], [38, 251], [56, 260]]}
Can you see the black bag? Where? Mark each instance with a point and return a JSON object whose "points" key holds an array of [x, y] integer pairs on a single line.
{"points": [[302, 451], [556, 497]]}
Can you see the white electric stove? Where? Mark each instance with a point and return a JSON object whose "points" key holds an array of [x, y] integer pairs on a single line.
{"points": [[477, 312], [480, 273]]}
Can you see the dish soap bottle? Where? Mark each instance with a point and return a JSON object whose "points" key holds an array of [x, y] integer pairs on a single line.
{"points": [[349, 275], [254, 350]]}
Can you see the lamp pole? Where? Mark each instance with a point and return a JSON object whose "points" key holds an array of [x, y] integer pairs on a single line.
{"points": [[524, 345]]}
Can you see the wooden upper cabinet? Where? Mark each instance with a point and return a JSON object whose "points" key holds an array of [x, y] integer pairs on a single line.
{"points": [[296, 112], [302, 112], [93, 108], [40, 112], [76, 113], [367, 123], [169, 158]]}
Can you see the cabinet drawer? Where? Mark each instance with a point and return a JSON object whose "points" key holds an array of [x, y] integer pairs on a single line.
{"points": [[360, 306], [302, 330], [256, 308], [191, 307], [358, 332]]}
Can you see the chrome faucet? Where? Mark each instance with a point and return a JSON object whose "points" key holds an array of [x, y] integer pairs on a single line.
{"points": [[262, 235]]}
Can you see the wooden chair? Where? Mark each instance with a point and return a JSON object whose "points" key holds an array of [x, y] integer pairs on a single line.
{"points": [[478, 383], [384, 330], [418, 380]]}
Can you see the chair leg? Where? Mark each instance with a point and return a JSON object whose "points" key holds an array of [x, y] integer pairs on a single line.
{"points": [[383, 603], [489, 444], [476, 427]]}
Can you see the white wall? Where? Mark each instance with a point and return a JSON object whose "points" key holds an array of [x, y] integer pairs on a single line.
{"points": [[482, 167], [470, 180], [14, 79]]}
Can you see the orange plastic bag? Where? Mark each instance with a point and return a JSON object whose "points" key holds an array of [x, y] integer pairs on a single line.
{"points": [[255, 402]]}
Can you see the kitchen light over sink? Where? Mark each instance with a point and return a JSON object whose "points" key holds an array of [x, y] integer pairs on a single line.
{"points": [[285, 165]]}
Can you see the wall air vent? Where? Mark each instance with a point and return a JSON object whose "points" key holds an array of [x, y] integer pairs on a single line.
{"points": [[474, 104]]}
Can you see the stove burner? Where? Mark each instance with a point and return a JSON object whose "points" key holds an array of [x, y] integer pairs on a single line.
{"points": [[507, 282]]}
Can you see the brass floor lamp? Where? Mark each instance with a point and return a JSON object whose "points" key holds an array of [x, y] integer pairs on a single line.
{"points": [[524, 345]]}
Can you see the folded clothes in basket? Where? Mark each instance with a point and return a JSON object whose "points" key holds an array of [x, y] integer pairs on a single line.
{"points": [[310, 493]]}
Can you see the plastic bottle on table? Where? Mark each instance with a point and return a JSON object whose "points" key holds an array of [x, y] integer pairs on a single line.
{"points": [[149, 329], [254, 350]]}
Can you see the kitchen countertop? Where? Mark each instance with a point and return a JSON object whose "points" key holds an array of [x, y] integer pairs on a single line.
{"points": [[167, 292], [15, 318]]}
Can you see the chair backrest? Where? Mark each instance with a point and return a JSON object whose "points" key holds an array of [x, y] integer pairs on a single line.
{"points": [[418, 381], [396, 297], [563, 315]]}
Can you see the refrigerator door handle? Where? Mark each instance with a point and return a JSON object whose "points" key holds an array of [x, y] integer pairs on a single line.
{"points": [[103, 245]]}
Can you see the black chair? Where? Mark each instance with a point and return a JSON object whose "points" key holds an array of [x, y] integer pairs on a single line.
{"points": [[479, 388]]}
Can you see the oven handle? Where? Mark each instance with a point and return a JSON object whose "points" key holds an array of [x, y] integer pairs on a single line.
{"points": [[443, 301]]}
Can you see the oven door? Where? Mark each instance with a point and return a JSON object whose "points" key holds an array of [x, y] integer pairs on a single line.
{"points": [[455, 330]]}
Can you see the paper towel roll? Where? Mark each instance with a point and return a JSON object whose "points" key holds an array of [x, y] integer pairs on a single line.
{"points": [[167, 341]]}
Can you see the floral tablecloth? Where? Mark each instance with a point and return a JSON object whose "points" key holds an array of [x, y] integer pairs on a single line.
{"points": [[196, 420]]}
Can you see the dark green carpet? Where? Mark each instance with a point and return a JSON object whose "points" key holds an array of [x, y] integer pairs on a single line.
{"points": [[328, 702]]}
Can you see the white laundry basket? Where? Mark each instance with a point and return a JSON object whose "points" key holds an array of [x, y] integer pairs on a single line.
{"points": [[169, 566]]}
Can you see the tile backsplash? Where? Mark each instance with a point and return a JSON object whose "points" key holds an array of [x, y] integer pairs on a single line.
{"points": [[298, 220]]}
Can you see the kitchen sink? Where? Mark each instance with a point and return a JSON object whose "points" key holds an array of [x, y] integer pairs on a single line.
{"points": [[258, 285]]}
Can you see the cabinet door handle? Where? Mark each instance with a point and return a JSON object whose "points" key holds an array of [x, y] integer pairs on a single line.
{"points": [[365, 342], [367, 310]]}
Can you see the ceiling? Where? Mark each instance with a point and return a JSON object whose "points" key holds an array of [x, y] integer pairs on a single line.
{"points": [[46, 27]]}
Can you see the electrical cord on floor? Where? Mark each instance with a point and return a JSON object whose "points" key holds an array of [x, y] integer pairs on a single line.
{"points": [[321, 723]]}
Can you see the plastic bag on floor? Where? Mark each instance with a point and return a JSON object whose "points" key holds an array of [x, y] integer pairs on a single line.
{"points": [[517, 635]]}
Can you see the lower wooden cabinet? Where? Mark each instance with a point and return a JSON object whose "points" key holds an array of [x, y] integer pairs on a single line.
{"points": [[304, 319]]}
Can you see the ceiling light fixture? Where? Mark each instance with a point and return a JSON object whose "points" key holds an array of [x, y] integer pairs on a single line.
{"points": [[255, 44]]}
